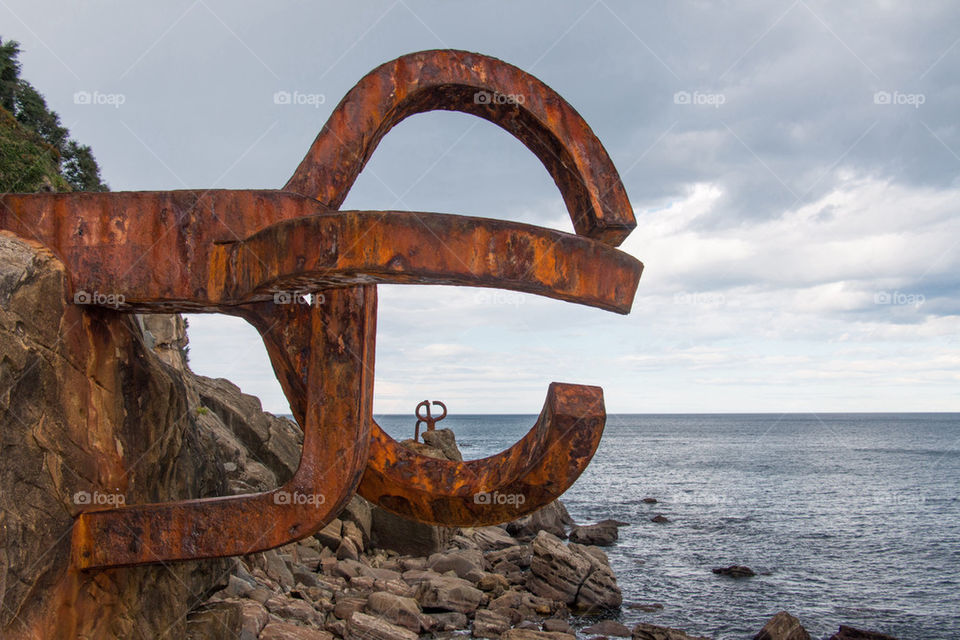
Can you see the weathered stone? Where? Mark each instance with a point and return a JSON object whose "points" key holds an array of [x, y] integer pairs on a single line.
{"points": [[287, 631], [347, 550], [448, 621], [352, 532], [576, 575], [608, 628], [597, 534], [850, 633], [277, 569], [365, 627], [489, 624], [445, 441], [253, 618], [552, 518], [559, 625], [359, 512], [492, 538], [644, 631], [83, 400], [347, 605], [519, 555], [330, 535], [467, 564], [446, 593], [215, 621], [782, 626], [293, 609], [396, 610], [660, 519]]}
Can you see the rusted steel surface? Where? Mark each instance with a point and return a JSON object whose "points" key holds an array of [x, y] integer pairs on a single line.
{"points": [[234, 251], [427, 417]]}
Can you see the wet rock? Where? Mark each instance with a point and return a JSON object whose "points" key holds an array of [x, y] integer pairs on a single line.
{"points": [[597, 534], [489, 624], [645, 631], [557, 625], [365, 627], [850, 633], [286, 631], [395, 610], [608, 628], [552, 518], [735, 571], [446, 593], [782, 626], [650, 501], [660, 519], [647, 608]]}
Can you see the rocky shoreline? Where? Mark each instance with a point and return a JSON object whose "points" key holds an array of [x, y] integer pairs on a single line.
{"points": [[104, 404]]}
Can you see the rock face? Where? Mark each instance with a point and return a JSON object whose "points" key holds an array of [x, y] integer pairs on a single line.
{"points": [[576, 575], [90, 415], [782, 626]]}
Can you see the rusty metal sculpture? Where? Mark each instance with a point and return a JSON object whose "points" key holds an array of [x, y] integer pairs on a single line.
{"points": [[231, 251], [427, 418]]}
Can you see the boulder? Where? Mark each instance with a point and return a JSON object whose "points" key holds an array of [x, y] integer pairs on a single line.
{"points": [[573, 574], [735, 571], [365, 627], [395, 610], [489, 624], [660, 519], [330, 535], [645, 631], [83, 401], [557, 625], [782, 626], [650, 501], [466, 563], [215, 621], [492, 538], [552, 518], [448, 621], [602, 534], [445, 441], [608, 628], [446, 593], [293, 609], [850, 633]]}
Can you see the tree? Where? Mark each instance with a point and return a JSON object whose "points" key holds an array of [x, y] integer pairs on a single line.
{"points": [[81, 169], [9, 72]]}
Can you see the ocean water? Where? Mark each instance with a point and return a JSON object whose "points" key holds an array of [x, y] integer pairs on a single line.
{"points": [[846, 518]]}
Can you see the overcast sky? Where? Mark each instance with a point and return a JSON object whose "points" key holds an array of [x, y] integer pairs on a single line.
{"points": [[793, 167]]}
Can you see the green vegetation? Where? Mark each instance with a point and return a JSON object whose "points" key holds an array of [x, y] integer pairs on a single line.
{"points": [[36, 151]]}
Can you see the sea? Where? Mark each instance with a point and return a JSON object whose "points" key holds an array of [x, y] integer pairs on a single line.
{"points": [[845, 518]]}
